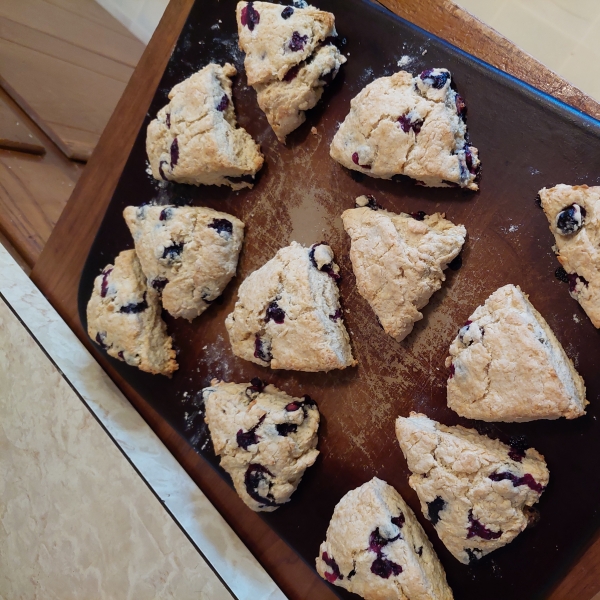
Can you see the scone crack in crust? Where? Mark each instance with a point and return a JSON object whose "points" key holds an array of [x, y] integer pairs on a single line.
{"points": [[276, 38], [399, 260], [375, 547], [266, 439], [124, 318], [288, 315], [413, 126], [188, 254], [573, 214], [476, 491], [195, 138], [290, 58], [507, 365]]}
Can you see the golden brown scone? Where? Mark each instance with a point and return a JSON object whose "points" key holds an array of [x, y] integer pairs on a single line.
{"points": [[288, 313], [574, 216], [399, 260], [507, 365], [123, 317], [195, 138], [476, 491], [405, 125], [188, 254]]}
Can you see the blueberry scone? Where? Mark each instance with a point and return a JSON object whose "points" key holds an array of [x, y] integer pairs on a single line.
{"points": [[290, 58], [123, 317], [507, 365], [399, 260], [574, 216], [195, 138], [405, 125], [265, 438], [375, 547], [476, 491], [288, 313], [188, 254]]}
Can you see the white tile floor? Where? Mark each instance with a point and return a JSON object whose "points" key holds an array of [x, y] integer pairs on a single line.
{"points": [[562, 34]]}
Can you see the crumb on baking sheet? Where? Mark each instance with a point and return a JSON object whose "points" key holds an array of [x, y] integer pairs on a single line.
{"points": [[313, 130]]}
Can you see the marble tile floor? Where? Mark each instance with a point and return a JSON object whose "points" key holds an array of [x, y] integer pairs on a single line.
{"points": [[92, 505]]}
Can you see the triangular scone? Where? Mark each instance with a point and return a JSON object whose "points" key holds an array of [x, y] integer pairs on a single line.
{"points": [[405, 125], [123, 317], [507, 365], [276, 38], [189, 253], [376, 548], [284, 102], [195, 138], [399, 260], [288, 313], [574, 216], [476, 491], [265, 438]]}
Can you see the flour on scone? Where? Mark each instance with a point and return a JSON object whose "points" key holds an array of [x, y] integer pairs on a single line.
{"points": [[376, 548], [507, 365], [288, 313], [124, 317], [477, 492], [405, 125], [399, 260], [265, 438], [290, 58], [195, 138], [574, 216], [189, 254]]}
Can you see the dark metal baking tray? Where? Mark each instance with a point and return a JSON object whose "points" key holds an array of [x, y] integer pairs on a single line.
{"points": [[527, 140]]}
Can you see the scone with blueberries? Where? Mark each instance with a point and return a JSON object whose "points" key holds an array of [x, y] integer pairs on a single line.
{"points": [[476, 491], [399, 260], [124, 318], [376, 548], [188, 254], [288, 314], [573, 213], [266, 439], [290, 58], [507, 365], [195, 138], [413, 126]]}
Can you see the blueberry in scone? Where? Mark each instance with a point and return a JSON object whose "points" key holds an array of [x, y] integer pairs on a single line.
{"points": [[413, 126], [476, 491], [195, 138], [288, 314], [124, 318], [399, 260], [376, 548], [574, 216], [188, 254], [265, 438], [290, 58], [507, 365]]}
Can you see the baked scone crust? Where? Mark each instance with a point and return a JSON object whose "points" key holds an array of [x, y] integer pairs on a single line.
{"points": [[476, 491], [195, 138], [399, 260], [190, 253], [266, 439], [405, 125], [288, 314], [275, 43], [284, 101], [579, 251], [375, 547], [124, 317], [507, 365]]}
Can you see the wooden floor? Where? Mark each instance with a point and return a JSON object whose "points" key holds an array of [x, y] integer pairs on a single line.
{"points": [[64, 65]]}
